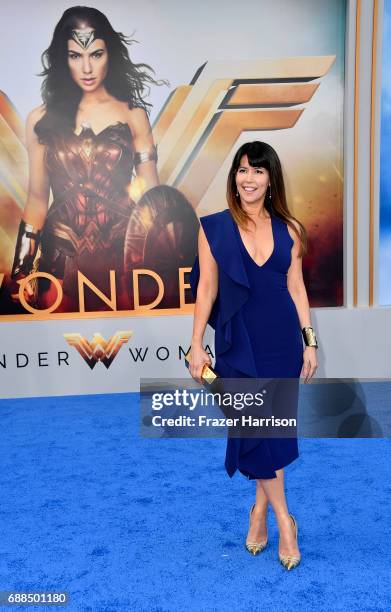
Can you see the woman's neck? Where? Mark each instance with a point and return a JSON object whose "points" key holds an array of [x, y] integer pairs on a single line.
{"points": [[99, 96], [257, 211]]}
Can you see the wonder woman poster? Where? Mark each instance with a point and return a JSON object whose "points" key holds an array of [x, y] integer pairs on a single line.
{"points": [[118, 124]]}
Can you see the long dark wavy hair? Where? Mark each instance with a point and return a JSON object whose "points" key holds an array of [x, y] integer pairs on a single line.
{"points": [[125, 80], [261, 154]]}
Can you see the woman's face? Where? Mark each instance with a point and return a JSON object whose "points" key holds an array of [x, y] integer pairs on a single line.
{"points": [[252, 183], [89, 66]]}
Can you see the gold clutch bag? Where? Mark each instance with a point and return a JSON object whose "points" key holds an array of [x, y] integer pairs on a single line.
{"points": [[208, 374]]}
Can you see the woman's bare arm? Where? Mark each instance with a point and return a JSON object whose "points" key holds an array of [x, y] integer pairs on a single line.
{"points": [[143, 142], [207, 288], [34, 214], [206, 296], [38, 187], [295, 282], [297, 290]]}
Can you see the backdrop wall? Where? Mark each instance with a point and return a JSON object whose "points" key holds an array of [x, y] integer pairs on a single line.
{"points": [[66, 351]]}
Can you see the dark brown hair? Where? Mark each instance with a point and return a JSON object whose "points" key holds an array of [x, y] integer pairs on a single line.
{"points": [[125, 80], [262, 155]]}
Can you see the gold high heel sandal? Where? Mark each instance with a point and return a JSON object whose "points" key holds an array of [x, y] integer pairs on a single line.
{"points": [[290, 561], [255, 547]]}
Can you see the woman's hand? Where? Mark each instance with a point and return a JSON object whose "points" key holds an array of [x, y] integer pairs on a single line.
{"points": [[310, 363], [28, 291], [198, 358]]}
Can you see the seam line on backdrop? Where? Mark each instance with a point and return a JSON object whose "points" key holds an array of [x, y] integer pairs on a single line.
{"points": [[355, 161], [372, 151]]}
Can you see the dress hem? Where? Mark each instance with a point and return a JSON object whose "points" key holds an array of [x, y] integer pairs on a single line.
{"points": [[250, 476]]}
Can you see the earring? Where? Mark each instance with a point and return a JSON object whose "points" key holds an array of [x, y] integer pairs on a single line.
{"points": [[270, 192], [237, 193]]}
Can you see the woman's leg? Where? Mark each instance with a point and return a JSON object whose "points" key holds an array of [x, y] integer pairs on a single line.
{"points": [[258, 530], [275, 494]]}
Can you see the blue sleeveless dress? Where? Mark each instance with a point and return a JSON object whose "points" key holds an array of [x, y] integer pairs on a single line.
{"points": [[257, 330]]}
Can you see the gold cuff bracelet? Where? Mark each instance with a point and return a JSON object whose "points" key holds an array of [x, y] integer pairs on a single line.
{"points": [[309, 337]]}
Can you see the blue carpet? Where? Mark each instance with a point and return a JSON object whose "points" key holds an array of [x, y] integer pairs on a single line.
{"points": [[127, 523]]}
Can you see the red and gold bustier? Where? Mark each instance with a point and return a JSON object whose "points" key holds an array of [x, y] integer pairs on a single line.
{"points": [[90, 176]]}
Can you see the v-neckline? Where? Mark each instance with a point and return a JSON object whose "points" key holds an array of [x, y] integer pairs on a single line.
{"points": [[245, 248], [86, 127]]}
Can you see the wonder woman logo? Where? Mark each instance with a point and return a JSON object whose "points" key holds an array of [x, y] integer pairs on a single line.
{"points": [[201, 122], [98, 349]]}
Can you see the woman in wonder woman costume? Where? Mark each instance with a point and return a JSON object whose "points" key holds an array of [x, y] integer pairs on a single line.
{"points": [[83, 143]]}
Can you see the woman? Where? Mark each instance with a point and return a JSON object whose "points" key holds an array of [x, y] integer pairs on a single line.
{"points": [[83, 143], [248, 283]]}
